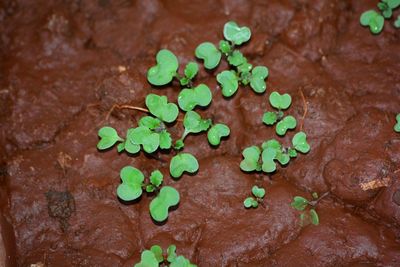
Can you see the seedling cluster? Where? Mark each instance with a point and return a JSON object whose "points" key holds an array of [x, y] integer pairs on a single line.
{"points": [[155, 257], [307, 207], [375, 20], [258, 197], [397, 125], [264, 158]]}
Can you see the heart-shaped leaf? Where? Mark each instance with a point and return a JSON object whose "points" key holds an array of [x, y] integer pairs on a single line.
{"points": [[148, 259], [272, 144], [397, 125], [159, 206], [236, 58], [236, 34], [191, 70], [288, 122], [108, 138], [131, 187], [299, 203], [299, 142], [183, 162], [159, 107], [209, 53], [165, 70], [145, 137], [171, 253], [130, 144], [257, 79], [268, 164], [193, 123], [393, 3], [258, 191], [216, 132], [372, 19], [158, 253], [280, 101], [188, 99], [251, 159], [150, 122], [314, 217], [156, 178], [250, 203], [181, 261], [229, 82], [269, 118]]}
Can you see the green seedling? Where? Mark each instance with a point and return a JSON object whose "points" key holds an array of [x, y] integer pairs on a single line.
{"points": [[376, 21], [160, 108], [397, 22], [188, 99], [183, 162], [165, 70], [209, 53], [258, 197], [193, 123], [132, 187], [257, 159], [108, 138], [229, 82], [156, 257], [216, 132], [235, 34], [190, 72], [280, 102], [397, 125], [308, 215]]}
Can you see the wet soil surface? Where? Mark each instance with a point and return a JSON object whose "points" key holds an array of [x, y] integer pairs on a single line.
{"points": [[64, 64]]}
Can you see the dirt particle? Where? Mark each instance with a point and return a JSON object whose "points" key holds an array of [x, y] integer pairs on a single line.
{"points": [[396, 197], [60, 205]]}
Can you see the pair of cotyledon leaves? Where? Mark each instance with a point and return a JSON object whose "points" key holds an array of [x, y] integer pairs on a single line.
{"points": [[256, 159], [280, 102], [375, 21], [154, 257], [300, 204], [131, 188], [258, 193], [194, 123]]}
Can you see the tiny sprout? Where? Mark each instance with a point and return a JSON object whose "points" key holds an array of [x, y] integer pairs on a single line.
{"points": [[165, 70], [397, 125], [229, 82], [183, 162], [108, 138], [155, 257], [372, 19], [190, 72], [216, 132], [225, 47], [236, 34], [257, 79], [299, 142], [159, 107], [209, 53], [258, 193], [159, 206], [193, 123], [280, 102], [188, 99], [236, 58], [397, 22], [251, 159], [300, 203]]}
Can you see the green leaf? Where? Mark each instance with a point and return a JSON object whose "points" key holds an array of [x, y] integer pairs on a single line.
{"points": [[236, 34], [245, 68], [150, 188], [299, 142], [314, 217], [229, 82], [130, 145], [269, 118], [225, 47], [183, 162], [250, 203], [372, 19], [216, 132], [148, 259], [121, 147], [209, 53], [179, 144], [150, 122], [393, 3], [159, 206], [283, 158], [258, 191], [165, 140], [387, 13], [188, 99], [288, 122], [171, 253], [280, 101], [159, 107], [131, 187], [108, 138], [268, 155], [257, 79], [397, 125], [165, 70], [272, 144], [366, 17], [156, 178], [299, 203], [193, 123], [292, 153], [251, 159], [191, 70], [158, 253], [151, 142], [181, 261], [236, 58], [397, 22], [142, 136]]}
